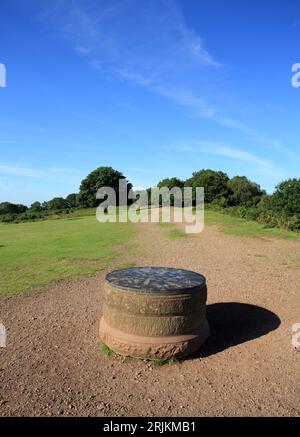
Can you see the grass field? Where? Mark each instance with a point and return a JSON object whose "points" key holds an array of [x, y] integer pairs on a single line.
{"points": [[38, 253], [233, 226], [244, 228], [173, 231]]}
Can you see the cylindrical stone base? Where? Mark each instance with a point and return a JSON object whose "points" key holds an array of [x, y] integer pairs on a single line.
{"points": [[154, 312], [177, 346]]}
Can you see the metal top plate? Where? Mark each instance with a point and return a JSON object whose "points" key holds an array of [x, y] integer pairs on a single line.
{"points": [[156, 279]]}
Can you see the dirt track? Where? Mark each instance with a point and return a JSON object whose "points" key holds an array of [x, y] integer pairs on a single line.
{"points": [[53, 365]]}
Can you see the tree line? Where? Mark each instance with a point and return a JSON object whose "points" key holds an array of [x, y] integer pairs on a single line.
{"points": [[237, 196]]}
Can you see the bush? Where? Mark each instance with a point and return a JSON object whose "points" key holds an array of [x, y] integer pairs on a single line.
{"points": [[280, 220], [8, 218], [244, 212], [11, 208], [31, 216], [36, 206], [57, 203], [265, 216], [72, 200], [220, 202]]}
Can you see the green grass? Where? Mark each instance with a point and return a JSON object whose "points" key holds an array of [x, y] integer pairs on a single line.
{"points": [[161, 362], [127, 265], [111, 354], [128, 358], [158, 362], [173, 232], [243, 228], [38, 253], [165, 225], [106, 350], [177, 233]]}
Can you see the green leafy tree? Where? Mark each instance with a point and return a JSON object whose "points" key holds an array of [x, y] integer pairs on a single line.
{"points": [[214, 184], [57, 203], [244, 192], [286, 198], [170, 183], [72, 200], [101, 177], [36, 206], [11, 208]]}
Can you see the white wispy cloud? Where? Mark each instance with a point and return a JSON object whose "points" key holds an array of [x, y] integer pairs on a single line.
{"points": [[21, 171], [260, 165], [178, 94], [28, 172], [255, 135], [147, 44], [145, 36], [264, 166]]}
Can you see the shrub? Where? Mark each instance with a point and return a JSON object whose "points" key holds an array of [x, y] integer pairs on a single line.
{"points": [[72, 200], [8, 218], [57, 203], [36, 206], [11, 208]]}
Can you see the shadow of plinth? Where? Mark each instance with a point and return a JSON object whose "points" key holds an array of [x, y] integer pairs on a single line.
{"points": [[233, 323]]}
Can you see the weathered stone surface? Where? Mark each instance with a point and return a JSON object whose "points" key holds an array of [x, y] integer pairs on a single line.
{"points": [[154, 312], [153, 347], [140, 324], [134, 302]]}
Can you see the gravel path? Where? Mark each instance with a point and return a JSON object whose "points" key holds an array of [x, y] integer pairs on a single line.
{"points": [[53, 365]]}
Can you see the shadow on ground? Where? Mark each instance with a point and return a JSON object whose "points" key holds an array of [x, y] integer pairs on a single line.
{"points": [[233, 323]]}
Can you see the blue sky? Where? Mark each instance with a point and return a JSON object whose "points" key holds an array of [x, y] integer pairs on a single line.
{"points": [[154, 89]]}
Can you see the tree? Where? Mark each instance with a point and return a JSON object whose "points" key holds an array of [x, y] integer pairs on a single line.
{"points": [[286, 198], [170, 183], [101, 177], [214, 184], [72, 200], [57, 203], [36, 206], [244, 192], [11, 208]]}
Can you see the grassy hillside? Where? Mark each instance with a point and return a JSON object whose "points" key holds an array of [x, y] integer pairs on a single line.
{"points": [[244, 228], [233, 225], [33, 254]]}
